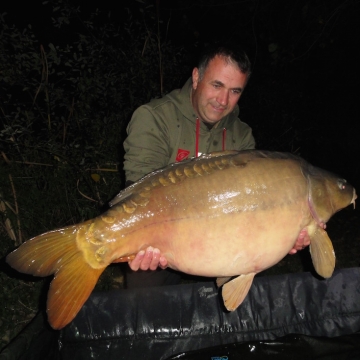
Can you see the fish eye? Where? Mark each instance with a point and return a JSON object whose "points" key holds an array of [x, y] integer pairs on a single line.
{"points": [[341, 184]]}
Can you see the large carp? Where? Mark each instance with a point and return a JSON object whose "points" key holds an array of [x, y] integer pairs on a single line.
{"points": [[220, 215]]}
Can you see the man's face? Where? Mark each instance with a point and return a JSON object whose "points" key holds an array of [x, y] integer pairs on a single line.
{"points": [[216, 94]]}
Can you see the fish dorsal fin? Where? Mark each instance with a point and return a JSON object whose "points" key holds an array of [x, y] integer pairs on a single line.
{"points": [[122, 195], [172, 174], [235, 291], [322, 253], [222, 280]]}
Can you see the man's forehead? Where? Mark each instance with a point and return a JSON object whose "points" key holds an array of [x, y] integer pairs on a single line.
{"points": [[225, 73]]}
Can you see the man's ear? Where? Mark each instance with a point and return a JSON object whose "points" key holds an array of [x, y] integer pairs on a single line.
{"points": [[195, 78]]}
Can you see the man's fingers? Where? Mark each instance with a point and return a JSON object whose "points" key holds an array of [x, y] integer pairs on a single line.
{"points": [[136, 262], [155, 259], [163, 262], [302, 241], [146, 262], [149, 259]]}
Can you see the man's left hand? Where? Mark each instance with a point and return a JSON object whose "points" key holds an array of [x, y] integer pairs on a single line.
{"points": [[149, 259], [302, 241]]}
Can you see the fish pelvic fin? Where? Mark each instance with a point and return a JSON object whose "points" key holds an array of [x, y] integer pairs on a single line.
{"points": [[222, 280], [56, 252], [235, 291], [322, 253]]}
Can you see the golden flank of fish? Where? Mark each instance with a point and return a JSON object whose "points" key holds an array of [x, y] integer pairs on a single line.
{"points": [[220, 215]]}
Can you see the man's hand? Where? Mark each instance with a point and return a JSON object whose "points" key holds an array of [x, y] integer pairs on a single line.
{"points": [[149, 259], [302, 241]]}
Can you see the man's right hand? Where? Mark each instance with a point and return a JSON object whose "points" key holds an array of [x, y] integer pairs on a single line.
{"points": [[149, 259]]}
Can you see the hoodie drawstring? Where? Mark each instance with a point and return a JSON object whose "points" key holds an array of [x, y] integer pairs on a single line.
{"points": [[223, 139], [197, 137]]}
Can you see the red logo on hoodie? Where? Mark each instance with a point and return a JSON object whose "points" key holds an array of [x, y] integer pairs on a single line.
{"points": [[182, 154]]}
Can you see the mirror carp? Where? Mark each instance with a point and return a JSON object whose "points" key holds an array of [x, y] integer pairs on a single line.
{"points": [[228, 215]]}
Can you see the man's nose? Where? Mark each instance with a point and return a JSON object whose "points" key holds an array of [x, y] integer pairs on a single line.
{"points": [[223, 97]]}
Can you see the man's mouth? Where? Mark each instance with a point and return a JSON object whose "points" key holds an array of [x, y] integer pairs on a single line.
{"points": [[218, 108]]}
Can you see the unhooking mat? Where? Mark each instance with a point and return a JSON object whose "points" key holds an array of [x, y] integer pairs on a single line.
{"points": [[283, 317]]}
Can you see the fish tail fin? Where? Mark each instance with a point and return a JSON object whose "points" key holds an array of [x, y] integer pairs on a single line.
{"points": [[44, 254], [322, 253], [70, 288], [56, 252]]}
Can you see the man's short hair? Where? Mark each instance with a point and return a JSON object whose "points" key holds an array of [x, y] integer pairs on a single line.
{"points": [[233, 54]]}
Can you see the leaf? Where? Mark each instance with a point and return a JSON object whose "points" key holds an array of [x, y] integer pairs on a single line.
{"points": [[95, 177]]}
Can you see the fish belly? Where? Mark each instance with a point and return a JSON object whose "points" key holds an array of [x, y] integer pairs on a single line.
{"points": [[226, 245]]}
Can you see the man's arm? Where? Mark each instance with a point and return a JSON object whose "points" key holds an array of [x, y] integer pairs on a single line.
{"points": [[146, 145]]}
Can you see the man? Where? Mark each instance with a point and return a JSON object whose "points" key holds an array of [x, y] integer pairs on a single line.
{"points": [[199, 118]]}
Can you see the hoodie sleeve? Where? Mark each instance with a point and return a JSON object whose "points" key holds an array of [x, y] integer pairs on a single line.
{"points": [[146, 146]]}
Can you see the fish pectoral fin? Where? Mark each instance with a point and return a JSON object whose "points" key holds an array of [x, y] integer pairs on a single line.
{"points": [[235, 291], [69, 290], [124, 258], [322, 253], [222, 280]]}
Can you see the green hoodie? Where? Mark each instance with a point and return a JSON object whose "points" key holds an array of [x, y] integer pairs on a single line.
{"points": [[167, 130]]}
